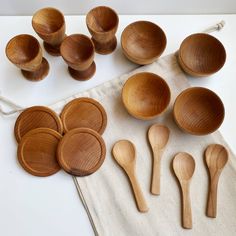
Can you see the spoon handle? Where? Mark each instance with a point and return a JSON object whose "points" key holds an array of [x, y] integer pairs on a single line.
{"points": [[156, 172]]}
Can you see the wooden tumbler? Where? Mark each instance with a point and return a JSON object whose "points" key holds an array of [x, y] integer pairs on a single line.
{"points": [[25, 52], [78, 52], [49, 24], [102, 23]]}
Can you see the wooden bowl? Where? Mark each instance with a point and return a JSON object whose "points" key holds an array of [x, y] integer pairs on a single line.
{"points": [[201, 55], [24, 51], [49, 24], [143, 42], [198, 111], [102, 23], [145, 95], [78, 52]]}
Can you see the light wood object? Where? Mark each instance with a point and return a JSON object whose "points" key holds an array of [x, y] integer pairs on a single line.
{"points": [[125, 155], [37, 152], [84, 113], [158, 136], [184, 166], [49, 24], [37, 117], [24, 51], [198, 111], [146, 95], [201, 55], [143, 42], [102, 23], [81, 151], [216, 157], [78, 52]]}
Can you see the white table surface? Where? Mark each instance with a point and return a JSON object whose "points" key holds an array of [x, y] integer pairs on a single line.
{"points": [[50, 206]]}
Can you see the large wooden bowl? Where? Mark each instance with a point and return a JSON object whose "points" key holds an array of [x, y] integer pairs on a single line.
{"points": [[198, 111], [145, 95], [143, 42], [201, 55]]}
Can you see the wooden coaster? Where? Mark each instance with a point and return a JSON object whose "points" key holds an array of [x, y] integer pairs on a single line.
{"points": [[37, 152], [84, 113], [81, 152], [37, 117]]}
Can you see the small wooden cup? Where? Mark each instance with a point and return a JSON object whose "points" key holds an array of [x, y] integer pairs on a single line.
{"points": [[49, 24], [201, 55], [143, 42], [78, 52], [146, 95], [25, 52], [102, 23], [198, 111]]}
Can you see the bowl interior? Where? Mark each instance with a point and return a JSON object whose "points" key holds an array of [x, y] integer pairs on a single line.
{"points": [[22, 48], [143, 40], [202, 54], [146, 95], [47, 20], [199, 111]]}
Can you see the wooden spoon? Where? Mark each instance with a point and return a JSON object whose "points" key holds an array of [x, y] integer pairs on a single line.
{"points": [[216, 157], [158, 136], [184, 166], [124, 153]]}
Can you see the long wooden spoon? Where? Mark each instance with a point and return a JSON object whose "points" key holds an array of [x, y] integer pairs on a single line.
{"points": [[124, 153], [216, 157], [184, 166], [158, 136]]}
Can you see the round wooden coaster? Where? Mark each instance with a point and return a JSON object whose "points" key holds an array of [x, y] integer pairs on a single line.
{"points": [[84, 113], [81, 151], [37, 117], [37, 152]]}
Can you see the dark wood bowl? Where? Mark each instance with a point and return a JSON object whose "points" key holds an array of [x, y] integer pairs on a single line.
{"points": [[143, 42], [198, 111]]}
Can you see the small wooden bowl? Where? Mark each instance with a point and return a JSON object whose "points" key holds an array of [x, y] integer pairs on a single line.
{"points": [[143, 42], [201, 55], [78, 52], [24, 51], [102, 23], [146, 95], [49, 24], [198, 111]]}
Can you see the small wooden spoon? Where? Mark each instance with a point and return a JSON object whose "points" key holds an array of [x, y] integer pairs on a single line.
{"points": [[184, 166], [216, 157], [158, 136], [124, 153]]}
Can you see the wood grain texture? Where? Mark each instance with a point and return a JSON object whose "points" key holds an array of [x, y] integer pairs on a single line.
{"points": [[184, 166], [37, 152], [143, 42], [36, 117], [201, 55], [198, 111], [78, 52], [49, 24], [81, 151], [84, 113], [24, 51], [125, 155], [216, 157], [146, 95], [102, 23]]}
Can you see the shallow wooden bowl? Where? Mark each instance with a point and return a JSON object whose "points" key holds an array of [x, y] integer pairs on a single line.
{"points": [[145, 95], [143, 42], [198, 111], [201, 55]]}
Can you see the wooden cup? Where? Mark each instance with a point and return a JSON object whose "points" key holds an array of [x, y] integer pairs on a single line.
{"points": [[49, 24], [102, 23], [78, 52], [25, 52]]}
